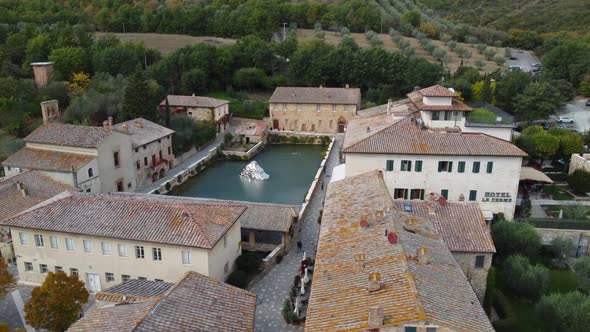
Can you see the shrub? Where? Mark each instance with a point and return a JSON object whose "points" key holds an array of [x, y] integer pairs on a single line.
{"points": [[579, 181], [499, 60], [524, 280], [561, 248], [515, 238], [489, 53], [344, 31], [248, 262], [452, 45], [238, 278], [479, 64], [504, 309], [228, 138], [582, 270], [490, 291], [565, 312], [481, 48]]}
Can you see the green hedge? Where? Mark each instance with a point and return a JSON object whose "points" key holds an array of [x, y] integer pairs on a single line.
{"points": [[238, 278], [504, 309], [559, 223], [558, 176]]}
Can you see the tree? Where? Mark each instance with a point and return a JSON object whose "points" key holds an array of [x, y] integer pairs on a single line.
{"points": [[56, 304], [562, 248], [499, 60], [78, 83], [69, 60], [509, 86], [582, 270], [185, 133], [515, 238], [7, 282], [538, 101], [439, 53], [489, 53], [412, 17], [193, 81], [565, 312], [168, 113], [579, 181], [452, 45], [138, 99], [250, 78], [479, 64], [525, 280]]}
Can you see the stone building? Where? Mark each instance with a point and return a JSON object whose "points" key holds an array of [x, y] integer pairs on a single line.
{"points": [[43, 72], [248, 130], [195, 303], [200, 108], [321, 110], [380, 268], [109, 238], [421, 148]]}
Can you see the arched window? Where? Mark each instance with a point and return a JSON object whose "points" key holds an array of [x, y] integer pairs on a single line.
{"points": [[90, 173]]}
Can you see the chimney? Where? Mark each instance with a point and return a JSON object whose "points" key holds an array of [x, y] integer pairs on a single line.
{"points": [[389, 106], [321, 86], [138, 123], [42, 72], [347, 86], [359, 262], [374, 281], [50, 111], [23, 190], [376, 317], [193, 94], [125, 128], [19, 185], [423, 256], [368, 129], [110, 121], [416, 88]]}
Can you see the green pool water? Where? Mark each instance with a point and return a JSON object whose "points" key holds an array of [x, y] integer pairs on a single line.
{"points": [[291, 168]]}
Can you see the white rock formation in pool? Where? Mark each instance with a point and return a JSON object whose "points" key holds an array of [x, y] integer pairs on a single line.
{"points": [[253, 171]]}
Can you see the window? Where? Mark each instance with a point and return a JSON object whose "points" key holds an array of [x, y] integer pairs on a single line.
{"points": [[461, 167], [318, 107], [225, 241], [285, 107], [418, 166], [54, 242], [88, 190], [109, 276], [59, 269], [472, 195], [144, 161], [330, 124], [43, 268], [136, 150], [169, 150], [400, 193], [345, 108], [490, 167], [137, 164], [445, 166], [28, 266], [417, 194], [122, 250], [69, 244], [186, 257], [160, 154], [38, 240], [448, 116], [74, 271], [87, 246], [24, 238], [141, 278], [139, 252], [431, 329], [275, 107], [333, 108], [106, 248], [475, 168], [125, 277], [389, 166], [157, 254], [445, 193], [90, 173], [406, 166], [120, 186], [116, 158], [479, 261], [410, 329], [298, 107], [153, 160], [435, 115]]}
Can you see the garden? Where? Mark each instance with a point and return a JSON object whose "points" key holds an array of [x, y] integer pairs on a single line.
{"points": [[533, 287], [247, 267]]}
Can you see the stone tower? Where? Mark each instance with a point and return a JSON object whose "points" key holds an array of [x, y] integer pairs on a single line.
{"points": [[50, 111], [43, 72]]}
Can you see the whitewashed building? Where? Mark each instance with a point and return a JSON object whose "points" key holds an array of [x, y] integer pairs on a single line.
{"points": [[107, 239], [421, 147]]}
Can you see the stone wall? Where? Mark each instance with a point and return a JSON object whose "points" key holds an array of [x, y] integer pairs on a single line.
{"points": [[306, 118], [477, 276], [244, 155], [294, 137], [580, 162]]}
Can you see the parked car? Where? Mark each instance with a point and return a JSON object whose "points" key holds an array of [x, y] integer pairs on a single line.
{"points": [[515, 67], [565, 119], [536, 64], [588, 102]]}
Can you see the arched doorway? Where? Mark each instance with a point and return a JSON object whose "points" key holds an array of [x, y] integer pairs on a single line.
{"points": [[341, 124], [162, 172], [155, 177], [275, 124]]}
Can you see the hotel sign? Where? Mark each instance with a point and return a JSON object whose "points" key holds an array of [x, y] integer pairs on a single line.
{"points": [[496, 197]]}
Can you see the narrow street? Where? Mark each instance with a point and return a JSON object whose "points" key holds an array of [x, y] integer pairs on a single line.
{"points": [[273, 289]]}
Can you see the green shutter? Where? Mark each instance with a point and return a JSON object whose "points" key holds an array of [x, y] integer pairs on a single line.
{"points": [[445, 193], [450, 166], [472, 195], [476, 167], [418, 166], [389, 166], [490, 166], [409, 169], [461, 167], [440, 166]]}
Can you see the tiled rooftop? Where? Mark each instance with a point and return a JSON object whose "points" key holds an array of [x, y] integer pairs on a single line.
{"points": [[38, 188], [461, 225], [305, 95], [193, 101], [242, 126], [456, 105], [196, 303], [143, 131], [48, 160], [68, 135], [410, 290], [406, 137], [133, 290], [436, 91], [146, 218]]}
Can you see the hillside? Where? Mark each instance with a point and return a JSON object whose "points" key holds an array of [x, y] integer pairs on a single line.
{"points": [[538, 15]]}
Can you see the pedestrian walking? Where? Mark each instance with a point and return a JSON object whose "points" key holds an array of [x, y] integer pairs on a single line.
{"points": [[299, 246]]}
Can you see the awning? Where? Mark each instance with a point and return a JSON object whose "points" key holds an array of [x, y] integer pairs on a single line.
{"points": [[532, 174]]}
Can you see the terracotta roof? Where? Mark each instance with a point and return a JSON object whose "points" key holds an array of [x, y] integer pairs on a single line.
{"points": [[68, 135], [436, 91], [133, 290], [242, 126], [416, 98], [119, 318], [195, 303], [410, 291], [148, 132], [461, 225], [406, 137], [146, 218], [48, 160], [193, 101], [38, 188], [302, 95]]}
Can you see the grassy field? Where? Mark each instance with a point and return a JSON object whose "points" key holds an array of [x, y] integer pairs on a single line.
{"points": [[167, 43]]}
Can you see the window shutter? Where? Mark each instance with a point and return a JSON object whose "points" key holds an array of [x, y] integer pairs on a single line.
{"points": [[450, 166], [409, 169], [440, 166], [389, 166], [461, 167], [490, 166], [418, 166]]}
